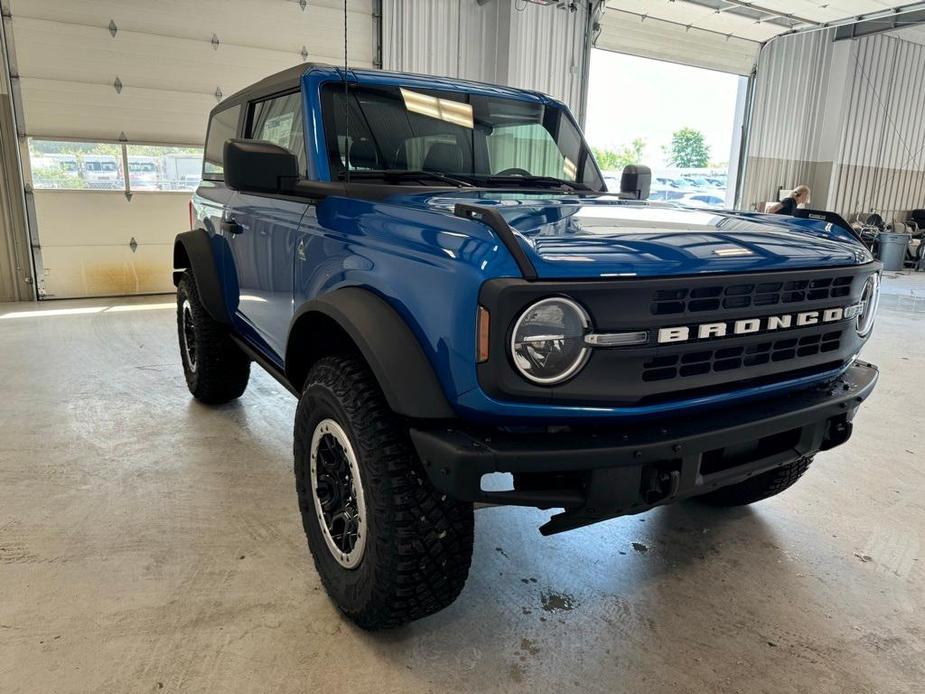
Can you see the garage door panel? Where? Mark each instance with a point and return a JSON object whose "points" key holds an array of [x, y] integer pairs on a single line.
{"points": [[158, 56], [96, 112], [81, 271], [100, 217], [625, 33], [264, 23], [145, 60], [86, 241], [169, 68]]}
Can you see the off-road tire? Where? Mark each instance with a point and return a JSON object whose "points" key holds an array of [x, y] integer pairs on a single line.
{"points": [[419, 542], [759, 487], [220, 370]]}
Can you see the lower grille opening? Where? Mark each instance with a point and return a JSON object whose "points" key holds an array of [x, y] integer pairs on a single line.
{"points": [[664, 368], [720, 459], [684, 393]]}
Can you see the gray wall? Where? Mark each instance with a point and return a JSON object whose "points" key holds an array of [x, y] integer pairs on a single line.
{"points": [[792, 96], [882, 152], [504, 42], [450, 38], [844, 118]]}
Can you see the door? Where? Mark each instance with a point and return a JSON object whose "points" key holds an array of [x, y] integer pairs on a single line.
{"points": [[262, 230]]}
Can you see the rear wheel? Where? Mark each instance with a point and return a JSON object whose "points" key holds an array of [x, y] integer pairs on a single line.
{"points": [[759, 487], [216, 370], [388, 546]]}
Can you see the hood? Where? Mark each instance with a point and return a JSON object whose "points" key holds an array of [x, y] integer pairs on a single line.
{"points": [[567, 236]]}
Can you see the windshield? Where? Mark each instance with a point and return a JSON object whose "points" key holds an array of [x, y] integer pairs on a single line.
{"points": [[142, 167], [457, 138]]}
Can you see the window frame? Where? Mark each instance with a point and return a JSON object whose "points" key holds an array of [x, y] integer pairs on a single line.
{"points": [[212, 176], [250, 107], [330, 150]]}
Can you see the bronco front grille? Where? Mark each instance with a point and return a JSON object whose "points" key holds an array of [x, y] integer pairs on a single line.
{"points": [[716, 298], [727, 359], [658, 372]]}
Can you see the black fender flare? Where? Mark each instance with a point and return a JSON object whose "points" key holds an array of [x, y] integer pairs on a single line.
{"points": [[382, 337], [192, 250]]}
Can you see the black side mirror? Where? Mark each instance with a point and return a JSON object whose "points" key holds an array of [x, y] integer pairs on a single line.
{"points": [[262, 167], [635, 182]]}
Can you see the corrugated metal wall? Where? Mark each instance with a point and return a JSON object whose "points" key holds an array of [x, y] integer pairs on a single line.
{"points": [[503, 41], [547, 51], [882, 153], [452, 38], [845, 118], [791, 94]]}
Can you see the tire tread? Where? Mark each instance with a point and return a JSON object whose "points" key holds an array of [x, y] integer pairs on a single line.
{"points": [[424, 538], [759, 487]]}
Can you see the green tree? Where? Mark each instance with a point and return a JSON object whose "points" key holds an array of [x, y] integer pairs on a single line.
{"points": [[616, 159], [688, 149]]}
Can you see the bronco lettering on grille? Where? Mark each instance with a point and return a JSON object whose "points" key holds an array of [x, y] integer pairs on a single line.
{"points": [[704, 331]]}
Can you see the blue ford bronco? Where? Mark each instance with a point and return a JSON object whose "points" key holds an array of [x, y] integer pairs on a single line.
{"points": [[435, 269]]}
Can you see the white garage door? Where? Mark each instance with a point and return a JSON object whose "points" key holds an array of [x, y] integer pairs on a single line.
{"points": [[96, 73], [680, 33]]}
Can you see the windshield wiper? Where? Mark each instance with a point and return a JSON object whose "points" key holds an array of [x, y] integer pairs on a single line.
{"points": [[549, 181], [406, 175]]}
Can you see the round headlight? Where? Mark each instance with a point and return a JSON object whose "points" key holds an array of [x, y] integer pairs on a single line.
{"points": [[870, 298], [548, 342]]}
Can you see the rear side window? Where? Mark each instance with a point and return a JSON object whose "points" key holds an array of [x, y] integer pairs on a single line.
{"points": [[279, 120], [222, 126]]}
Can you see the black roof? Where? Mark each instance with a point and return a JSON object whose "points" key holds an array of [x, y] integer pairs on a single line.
{"points": [[290, 77], [281, 81]]}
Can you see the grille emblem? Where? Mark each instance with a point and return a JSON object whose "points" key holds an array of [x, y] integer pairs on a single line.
{"points": [[745, 326]]}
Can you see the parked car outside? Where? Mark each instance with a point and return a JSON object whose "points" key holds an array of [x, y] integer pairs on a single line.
{"points": [[702, 200], [101, 171], [143, 173]]}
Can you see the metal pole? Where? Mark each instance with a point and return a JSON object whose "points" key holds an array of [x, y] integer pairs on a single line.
{"points": [[746, 136], [377, 34], [28, 210], [595, 10]]}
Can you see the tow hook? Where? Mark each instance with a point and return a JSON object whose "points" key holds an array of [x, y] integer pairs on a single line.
{"points": [[659, 482], [836, 433]]}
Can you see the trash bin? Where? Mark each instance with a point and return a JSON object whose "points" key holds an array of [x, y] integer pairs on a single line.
{"points": [[891, 249]]}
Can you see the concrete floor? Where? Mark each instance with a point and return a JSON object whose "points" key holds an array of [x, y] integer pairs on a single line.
{"points": [[148, 543]]}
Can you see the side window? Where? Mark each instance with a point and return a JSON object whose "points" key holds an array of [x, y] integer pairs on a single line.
{"points": [[223, 126], [279, 120]]}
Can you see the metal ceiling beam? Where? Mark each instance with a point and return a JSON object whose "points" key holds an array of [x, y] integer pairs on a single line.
{"points": [[772, 13], [891, 22], [846, 21], [721, 7]]}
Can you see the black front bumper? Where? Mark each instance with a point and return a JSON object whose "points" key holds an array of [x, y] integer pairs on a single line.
{"points": [[597, 473]]}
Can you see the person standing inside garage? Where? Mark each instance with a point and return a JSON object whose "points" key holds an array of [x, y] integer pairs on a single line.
{"points": [[799, 196]]}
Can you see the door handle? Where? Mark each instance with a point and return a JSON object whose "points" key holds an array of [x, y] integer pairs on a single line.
{"points": [[229, 226]]}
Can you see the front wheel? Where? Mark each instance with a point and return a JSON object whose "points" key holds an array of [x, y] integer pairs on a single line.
{"points": [[759, 487], [388, 546]]}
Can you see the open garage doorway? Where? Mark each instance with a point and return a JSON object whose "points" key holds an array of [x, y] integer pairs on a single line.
{"points": [[684, 122]]}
